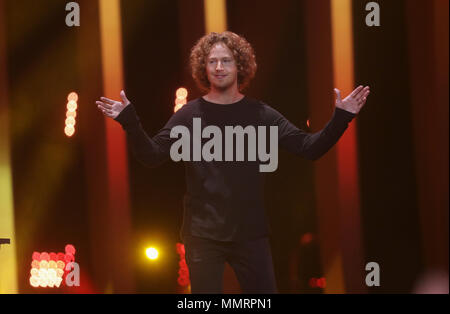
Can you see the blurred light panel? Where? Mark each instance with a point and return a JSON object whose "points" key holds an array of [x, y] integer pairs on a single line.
{"points": [[181, 98], [71, 114]]}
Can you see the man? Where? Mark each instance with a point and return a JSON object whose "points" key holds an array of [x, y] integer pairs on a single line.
{"points": [[224, 218]]}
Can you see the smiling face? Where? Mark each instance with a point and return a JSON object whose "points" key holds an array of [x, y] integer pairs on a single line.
{"points": [[221, 68]]}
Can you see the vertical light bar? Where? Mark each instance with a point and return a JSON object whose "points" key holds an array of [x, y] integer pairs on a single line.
{"points": [[119, 220], [215, 16], [8, 268], [347, 161]]}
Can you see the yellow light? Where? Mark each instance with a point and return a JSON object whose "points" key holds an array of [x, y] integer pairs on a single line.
{"points": [[70, 121], [34, 272], [52, 264], [72, 105], [60, 264], [151, 253], [69, 130], [43, 264], [72, 96], [181, 93], [179, 101], [34, 281], [72, 114]]}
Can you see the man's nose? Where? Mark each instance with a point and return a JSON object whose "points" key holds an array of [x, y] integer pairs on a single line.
{"points": [[219, 65]]}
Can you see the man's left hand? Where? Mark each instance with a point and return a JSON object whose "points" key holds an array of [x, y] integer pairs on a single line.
{"points": [[353, 102]]}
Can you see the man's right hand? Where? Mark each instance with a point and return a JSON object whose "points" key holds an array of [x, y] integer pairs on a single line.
{"points": [[112, 108]]}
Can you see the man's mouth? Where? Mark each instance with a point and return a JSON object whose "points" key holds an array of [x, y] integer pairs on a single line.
{"points": [[220, 76]]}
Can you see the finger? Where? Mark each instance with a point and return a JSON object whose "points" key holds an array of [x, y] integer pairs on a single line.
{"points": [[109, 101], [103, 105], [363, 101], [356, 91], [124, 97], [338, 94], [363, 93]]}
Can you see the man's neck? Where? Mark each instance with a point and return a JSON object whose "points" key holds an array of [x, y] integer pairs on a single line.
{"points": [[223, 97]]}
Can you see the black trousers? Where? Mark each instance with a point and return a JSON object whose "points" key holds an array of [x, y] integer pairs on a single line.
{"points": [[251, 261]]}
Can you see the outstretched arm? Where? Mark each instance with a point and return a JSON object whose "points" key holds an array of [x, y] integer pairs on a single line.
{"points": [[312, 146], [151, 152]]}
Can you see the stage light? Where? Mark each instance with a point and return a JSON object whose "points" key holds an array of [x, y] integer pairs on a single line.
{"points": [[307, 123], [43, 264], [35, 264], [182, 93], [70, 121], [34, 281], [49, 270], [152, 253], [71, 113], [36, 256], [72, 105], [181, 98], [69, 130], [72, 96]]}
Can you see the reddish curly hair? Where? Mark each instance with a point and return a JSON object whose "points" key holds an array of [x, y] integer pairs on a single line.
{"points": [[243, 53]]}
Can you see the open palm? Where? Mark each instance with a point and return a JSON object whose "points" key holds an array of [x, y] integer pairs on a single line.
{"points": [[112, 108], [353, 102]]}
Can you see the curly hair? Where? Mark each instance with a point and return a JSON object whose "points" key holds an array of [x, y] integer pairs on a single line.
{"points": [[243, 53]]}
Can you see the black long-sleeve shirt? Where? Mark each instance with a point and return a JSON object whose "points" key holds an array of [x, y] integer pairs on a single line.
{"points": [[224, 199]]}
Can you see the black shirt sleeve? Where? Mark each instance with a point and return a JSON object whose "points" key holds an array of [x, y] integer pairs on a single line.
{"points": [[151, 152], [312, 146]]}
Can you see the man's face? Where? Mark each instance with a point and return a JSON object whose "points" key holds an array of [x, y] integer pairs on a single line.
{"points": [[221, 67]]}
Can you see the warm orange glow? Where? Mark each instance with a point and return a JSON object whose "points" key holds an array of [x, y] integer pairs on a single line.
{"points": [[72, 105], [346, 148], [72, 96], [151, 253], [179, 101], [34, 272], [69, 130], [72, 114], [177, 107], [118, 201], [70, 121], [43, 264], [215, 15], [181, 93]]}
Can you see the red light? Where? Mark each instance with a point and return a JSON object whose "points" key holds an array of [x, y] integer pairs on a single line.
{"points": [[306, 238], [36, 256], [70, 249], [45, 256]]}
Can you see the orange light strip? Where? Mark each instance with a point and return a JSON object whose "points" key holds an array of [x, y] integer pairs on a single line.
{"points": [[8, 268], [117, 163], [347, 161], [215, 16]]}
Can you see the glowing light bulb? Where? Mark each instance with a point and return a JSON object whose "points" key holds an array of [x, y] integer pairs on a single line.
{"points": [[43, 264], [70, 121], [34, 272], [72, 114], [69, 130], [181, 93], [34, 281], [72, 105], [72, 96], [151, 253]]}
